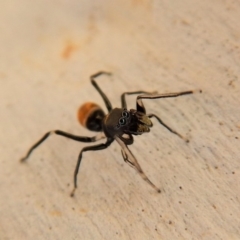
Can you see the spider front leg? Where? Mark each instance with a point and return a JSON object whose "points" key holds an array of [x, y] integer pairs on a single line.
{"points": [[132, 161], [140, 105], [124, 103], [166, 126], [85, 149]]}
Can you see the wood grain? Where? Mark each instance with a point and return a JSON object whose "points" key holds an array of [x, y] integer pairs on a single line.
{"points": [[48, 51]]}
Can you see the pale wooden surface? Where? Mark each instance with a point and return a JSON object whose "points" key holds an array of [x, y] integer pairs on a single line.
{"points": [[48, 49]]}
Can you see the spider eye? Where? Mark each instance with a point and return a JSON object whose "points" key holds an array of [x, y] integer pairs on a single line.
{"points": [[125, 114], [122, 121]]}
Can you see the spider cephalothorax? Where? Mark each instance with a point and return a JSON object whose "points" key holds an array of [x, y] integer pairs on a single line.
{"points": [[120, 121]]}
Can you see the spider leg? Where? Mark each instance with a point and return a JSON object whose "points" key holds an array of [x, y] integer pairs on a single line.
{"points": [[125, 158], [103, 95], [85, 149], [166, 126], [123, 98], [127, 154], [64, 134], [140, 106]]}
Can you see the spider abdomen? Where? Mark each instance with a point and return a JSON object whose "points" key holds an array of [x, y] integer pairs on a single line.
{"points": [[90, 116]]}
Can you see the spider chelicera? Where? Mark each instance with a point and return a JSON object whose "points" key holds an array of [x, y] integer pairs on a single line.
{"points": [[118, 124]]}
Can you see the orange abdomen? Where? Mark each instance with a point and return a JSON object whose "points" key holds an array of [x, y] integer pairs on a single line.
{"points": [[90, 116]]}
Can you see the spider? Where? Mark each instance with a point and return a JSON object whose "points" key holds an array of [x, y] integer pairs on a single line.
{"points": [[118, 124]]}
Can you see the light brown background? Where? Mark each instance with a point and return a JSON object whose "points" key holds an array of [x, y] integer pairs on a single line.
{"points": [[48, 50]]}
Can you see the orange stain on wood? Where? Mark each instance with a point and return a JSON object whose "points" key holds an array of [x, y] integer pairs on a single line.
{"points": [[82, 210], [55, 213], [69, 49]]}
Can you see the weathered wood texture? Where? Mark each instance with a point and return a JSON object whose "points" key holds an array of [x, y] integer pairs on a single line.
{"points": [[48, 50]]}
